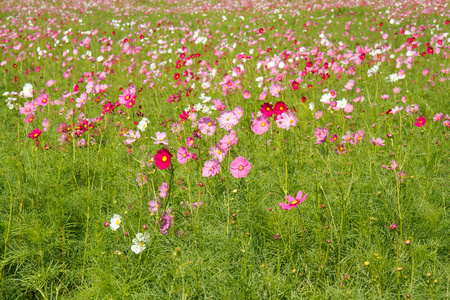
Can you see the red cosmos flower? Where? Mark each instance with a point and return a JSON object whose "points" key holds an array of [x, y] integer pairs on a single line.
{"points": [[420, 121], [162, 158], [381, 24], [267, 109], [177, 76], [447, 22], [430, 50], [295, 85], [35, 134], [303, 99], [280, 107], [362, 56]]}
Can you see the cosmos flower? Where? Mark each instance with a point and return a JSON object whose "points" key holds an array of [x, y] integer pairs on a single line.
{"points": [[293, 202], [240, 167]]}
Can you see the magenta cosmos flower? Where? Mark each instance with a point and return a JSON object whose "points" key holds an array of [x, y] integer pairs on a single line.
{"points": [[293, 202], [240, 167], [420, 121], [162, 159], [35, 134]]}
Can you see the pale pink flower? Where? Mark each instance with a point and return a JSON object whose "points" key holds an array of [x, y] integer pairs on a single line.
{"points": [[207, 125], [227, 120], [160, 138], [378, 142], [163, 190]]}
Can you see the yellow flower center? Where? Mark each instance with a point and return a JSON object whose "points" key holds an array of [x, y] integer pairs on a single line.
{"points": [[184, 155], [281, 108], [292, 121], [294, 202], [164, 158], [209, 124], [241, 167], [117, 222], [219, 152], [263, 124], [127, 97]]}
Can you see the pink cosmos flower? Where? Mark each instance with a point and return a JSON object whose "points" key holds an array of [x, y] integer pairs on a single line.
{"points": [[167, 222], [293, 202], [263, 96], [217, 153], [211, 168], [228, 140], [218, 105], [128, 98], [190, 142], [420, 121], [227, 120], [400, 176], [384, 97], [348, 108], [438, 117], [318, 114], [358, 136], [50, 83], [42, 100], [163, 190], [45, 124], [160, 138], [340, 149], [207, 125], [320, 135], [425, 72], [348, 138], [240, 167], [260, 125], [239, 112], [275, 90], [397, 90], [378, 142], [183, 155], [246, 94], [82, 100], [141, 178], [287, 120], [333, 138], [392, 165], [27, 109], [131, 136], [154, 206], [396, 109]]}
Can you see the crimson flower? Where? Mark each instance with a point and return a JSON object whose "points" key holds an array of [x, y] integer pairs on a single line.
{"points": [[162, 158], [280, 107], [267, 109], [35, 134]]}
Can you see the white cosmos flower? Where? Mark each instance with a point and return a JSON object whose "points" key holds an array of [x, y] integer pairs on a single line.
{"points": [[341, 103], [139, 242], [28, 90], [311, 106], [142, 125], [115, 222]]}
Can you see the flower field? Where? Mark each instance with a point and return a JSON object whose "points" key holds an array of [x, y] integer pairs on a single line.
{"points": [[225, 149]]}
